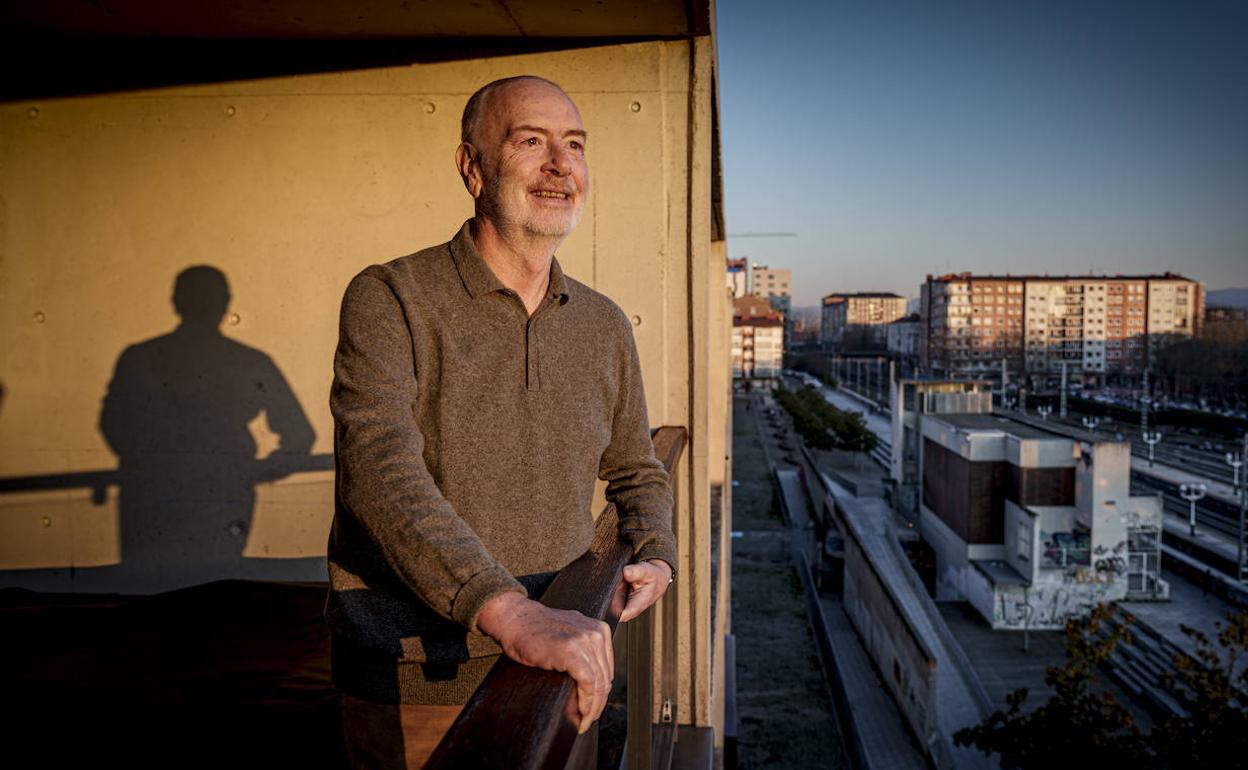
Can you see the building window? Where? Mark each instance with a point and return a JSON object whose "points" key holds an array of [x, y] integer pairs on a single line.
{"points": [[1024, 540]]}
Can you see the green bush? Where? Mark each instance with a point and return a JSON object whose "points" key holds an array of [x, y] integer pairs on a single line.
{"points": [[823, 426]]}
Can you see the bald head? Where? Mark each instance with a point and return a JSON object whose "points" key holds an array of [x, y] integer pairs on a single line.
{"points": [[486, 98]]}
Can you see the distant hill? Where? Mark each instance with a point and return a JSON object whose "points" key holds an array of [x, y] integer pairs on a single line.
{"points": [[1227, 298]]}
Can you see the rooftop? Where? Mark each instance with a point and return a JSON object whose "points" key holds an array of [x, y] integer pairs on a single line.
{"points": [[861, 295], [990, 422], [1090, 277], [1000, 572]]}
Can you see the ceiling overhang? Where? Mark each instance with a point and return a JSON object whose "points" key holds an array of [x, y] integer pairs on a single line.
{"points": [[359, 19]]}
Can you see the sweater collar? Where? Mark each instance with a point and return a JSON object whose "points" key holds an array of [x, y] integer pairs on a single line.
{"points": [[479, 279]]}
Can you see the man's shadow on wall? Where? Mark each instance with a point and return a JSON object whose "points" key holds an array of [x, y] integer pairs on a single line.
{"points": [[177, 413]]}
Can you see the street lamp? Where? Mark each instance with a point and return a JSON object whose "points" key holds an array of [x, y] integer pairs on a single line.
{"points": [[1090, 423], [1191, 493], [1235, 461], [1044, 411], [1152, 439]]}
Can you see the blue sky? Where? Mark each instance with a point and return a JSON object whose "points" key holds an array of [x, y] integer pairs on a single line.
{"points": [[904, 138]]}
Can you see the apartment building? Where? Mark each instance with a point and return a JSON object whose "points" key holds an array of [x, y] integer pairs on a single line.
{"points": [[774, 284], [768, 282], [757, 342], [864, 311], [1093, 325]]}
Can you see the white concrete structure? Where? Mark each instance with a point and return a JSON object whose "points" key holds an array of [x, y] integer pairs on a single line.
{"points": [[1033, 528]]}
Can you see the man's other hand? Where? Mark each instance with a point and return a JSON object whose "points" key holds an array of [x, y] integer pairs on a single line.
{"points": [[647, 581], [556, 640]]}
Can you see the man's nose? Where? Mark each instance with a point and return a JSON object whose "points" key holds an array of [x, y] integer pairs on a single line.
{"points": [[560, 161]]}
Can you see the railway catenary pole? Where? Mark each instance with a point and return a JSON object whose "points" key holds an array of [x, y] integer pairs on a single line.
{"points": [[1061, 409], [1191, 493], [1243, 505]]}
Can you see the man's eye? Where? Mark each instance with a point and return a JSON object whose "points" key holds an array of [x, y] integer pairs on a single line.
{"points": [[531, 141], [576, 146]]}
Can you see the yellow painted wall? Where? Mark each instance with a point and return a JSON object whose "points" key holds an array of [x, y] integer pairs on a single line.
{"points": [[290, 186]]}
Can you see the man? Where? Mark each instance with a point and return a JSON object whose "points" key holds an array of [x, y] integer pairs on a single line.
{"points": [[478, 393]]}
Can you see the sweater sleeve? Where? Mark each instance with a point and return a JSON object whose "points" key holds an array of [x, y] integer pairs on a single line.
{"points": [[636, 482], [383, 481]]}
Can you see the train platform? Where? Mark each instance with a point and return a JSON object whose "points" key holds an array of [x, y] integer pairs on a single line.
{"points": [[1218, 490]]}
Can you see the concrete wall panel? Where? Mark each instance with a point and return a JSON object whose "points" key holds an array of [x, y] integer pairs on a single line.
{"points": [[289, 186]]}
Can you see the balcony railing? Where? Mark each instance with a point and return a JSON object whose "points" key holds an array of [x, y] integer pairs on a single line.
{"points": [[522, 717]]}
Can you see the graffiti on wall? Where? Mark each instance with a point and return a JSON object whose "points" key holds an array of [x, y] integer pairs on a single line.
{"points": [[1046, 606]]}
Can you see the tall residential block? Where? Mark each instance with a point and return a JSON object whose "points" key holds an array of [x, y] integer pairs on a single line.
{"points": [[1095, 325], [867, 312], [774, 284], [769, 282], [757, 341]]}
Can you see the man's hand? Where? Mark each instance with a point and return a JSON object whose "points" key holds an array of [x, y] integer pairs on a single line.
{"points": [[556, 640], [647, 581]]}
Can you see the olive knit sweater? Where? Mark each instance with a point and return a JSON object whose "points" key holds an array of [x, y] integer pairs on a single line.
{"points": [[468, 437]]}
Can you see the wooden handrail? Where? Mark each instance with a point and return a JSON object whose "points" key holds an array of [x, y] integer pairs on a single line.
{"points": [[522, 717]]}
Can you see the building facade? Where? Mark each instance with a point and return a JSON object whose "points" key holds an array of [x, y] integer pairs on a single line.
{"points": [[768, 282], [1030, 527], [774, 284], [864, 312], [757, 342], [1092, 326], [903, 337]]}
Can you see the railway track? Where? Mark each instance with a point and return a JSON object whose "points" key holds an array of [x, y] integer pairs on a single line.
{"points": [[1211, 512], [1189, 454]]}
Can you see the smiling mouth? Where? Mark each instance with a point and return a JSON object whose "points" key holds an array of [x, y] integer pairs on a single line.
{"points": [[551, 194]]}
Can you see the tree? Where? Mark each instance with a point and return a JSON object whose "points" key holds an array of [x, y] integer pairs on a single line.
{"points": [[823, 426], [1211, 689], [1213, 366], [1081, 726]]}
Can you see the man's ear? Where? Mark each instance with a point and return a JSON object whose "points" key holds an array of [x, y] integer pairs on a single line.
{"points": [[468, 161]]}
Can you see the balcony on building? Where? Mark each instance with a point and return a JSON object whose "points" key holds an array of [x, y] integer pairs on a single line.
{"points": [[307, 148]]}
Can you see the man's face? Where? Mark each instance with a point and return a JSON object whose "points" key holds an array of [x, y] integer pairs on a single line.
{"points": [[535, 176]]}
